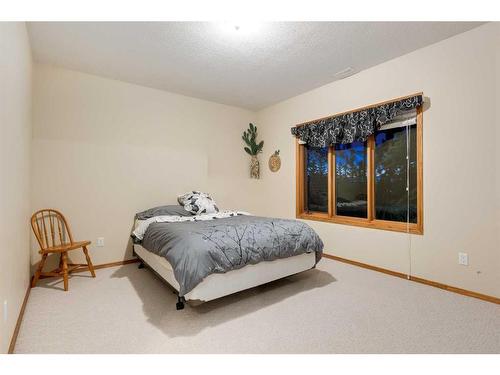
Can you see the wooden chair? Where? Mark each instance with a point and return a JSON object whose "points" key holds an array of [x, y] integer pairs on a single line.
{"points": [[54, 237]]}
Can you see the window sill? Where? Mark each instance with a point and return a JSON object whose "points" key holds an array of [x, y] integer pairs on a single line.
{"points": [[365, 223]]}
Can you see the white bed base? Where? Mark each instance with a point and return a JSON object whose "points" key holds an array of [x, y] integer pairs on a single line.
{"points": [[222, 284]]}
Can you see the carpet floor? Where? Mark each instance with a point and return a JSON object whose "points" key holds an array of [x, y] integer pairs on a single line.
{"points": [[335, 308]]}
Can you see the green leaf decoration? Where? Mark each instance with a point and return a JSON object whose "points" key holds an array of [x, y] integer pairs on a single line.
{"points": [[250, 138], [260, 146]]}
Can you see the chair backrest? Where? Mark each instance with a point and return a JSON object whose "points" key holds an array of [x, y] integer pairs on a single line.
{"points": [[50, 228]]}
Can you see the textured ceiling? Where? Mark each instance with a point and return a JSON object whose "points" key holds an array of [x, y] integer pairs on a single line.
{"points": [[252, 68]]}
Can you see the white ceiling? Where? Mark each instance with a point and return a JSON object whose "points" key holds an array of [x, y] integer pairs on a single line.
{"points": [[252, 68]]}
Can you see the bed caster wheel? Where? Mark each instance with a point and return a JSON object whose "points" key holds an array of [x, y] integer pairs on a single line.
{"points": [[141, 265], [180, 303]]}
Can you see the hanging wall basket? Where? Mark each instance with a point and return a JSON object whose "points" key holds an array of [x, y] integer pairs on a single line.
{"points": [[275, 161], [253, 148]]}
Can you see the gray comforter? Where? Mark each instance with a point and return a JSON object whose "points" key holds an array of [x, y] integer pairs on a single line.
{"points": [[198, 249]]}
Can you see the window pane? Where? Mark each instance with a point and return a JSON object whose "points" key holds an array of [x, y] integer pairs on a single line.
{"points": [[350, 180], [391, 198], [316, 179]]}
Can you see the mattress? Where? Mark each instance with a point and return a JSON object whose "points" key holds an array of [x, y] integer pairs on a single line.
{"points": [[221, 284]]}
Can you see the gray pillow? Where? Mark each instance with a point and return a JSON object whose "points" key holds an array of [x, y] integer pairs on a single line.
{"points": [[174, 209]]}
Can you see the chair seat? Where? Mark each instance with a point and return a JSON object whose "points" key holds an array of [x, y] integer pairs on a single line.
{"points": [[65, 247]]}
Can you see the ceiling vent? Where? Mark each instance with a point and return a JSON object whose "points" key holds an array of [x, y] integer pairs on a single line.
{"points": [[344, 73]]}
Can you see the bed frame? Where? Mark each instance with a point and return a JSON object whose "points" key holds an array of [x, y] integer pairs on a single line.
{"points": [[222, 284]]}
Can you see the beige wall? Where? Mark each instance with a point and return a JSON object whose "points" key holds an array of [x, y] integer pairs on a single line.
{"points": [[15, 140], [461, 161], [104, 150]]}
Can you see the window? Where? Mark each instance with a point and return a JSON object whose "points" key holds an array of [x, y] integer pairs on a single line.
{"points": [[317, 179], [351, 184], [375, 184], [392, 201]]}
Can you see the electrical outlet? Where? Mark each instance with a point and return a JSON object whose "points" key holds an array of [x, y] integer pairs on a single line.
{"points": [[5, 311], [100, 241], [463, 259]]}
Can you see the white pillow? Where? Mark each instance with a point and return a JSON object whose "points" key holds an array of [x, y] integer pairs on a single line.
{"points": [[198, 203]]}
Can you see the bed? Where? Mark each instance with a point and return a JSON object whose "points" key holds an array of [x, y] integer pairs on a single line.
{"points": [[208, 256]]}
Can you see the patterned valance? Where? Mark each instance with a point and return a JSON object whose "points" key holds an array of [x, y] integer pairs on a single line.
{"points": [[353, 126]]}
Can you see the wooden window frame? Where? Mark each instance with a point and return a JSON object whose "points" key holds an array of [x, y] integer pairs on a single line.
{"points": [[370, 221]]}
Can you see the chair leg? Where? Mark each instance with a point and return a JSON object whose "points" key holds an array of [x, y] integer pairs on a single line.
{"points": [[89, 262], [65, 269], [39, 270], [60, 262]]}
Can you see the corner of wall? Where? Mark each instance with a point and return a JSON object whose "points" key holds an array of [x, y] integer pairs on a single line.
{"points": [[15, 163]]}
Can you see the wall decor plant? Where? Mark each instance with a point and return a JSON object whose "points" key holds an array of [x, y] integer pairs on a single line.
{"points": [[253, 148]]}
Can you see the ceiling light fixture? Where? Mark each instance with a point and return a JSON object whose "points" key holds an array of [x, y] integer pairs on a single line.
{"points": [[241, 27]]}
